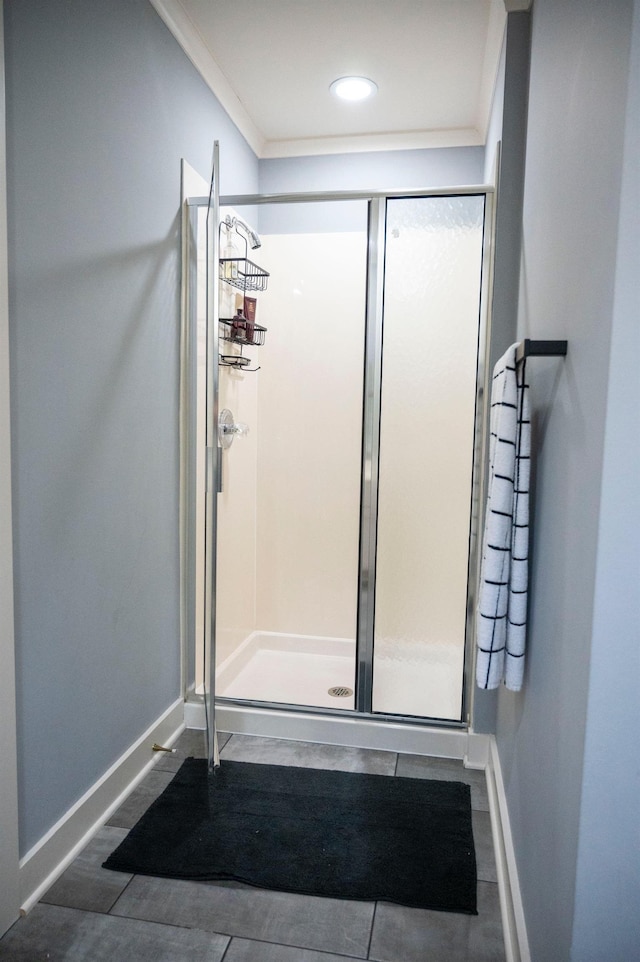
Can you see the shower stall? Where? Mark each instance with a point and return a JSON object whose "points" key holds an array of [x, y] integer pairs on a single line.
{"points": [[332, 407]]}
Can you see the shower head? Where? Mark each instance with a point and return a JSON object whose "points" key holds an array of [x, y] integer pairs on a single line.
{"points": [[254, 240]]}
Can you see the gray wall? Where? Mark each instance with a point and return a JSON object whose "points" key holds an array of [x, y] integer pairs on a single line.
{"points": [[507, 130], [511, 102], [375, 170], [101, 105], [607, 919], [572, 804], [494, 130]]}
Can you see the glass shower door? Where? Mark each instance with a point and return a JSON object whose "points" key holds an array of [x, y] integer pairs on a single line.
{"points": [[433, 262], [288, 532]]}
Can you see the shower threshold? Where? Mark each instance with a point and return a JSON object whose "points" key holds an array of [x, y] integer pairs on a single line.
{"points": [[298, 670]]}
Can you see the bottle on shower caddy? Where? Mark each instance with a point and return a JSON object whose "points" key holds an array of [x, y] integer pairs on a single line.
{"points": [[230, 254], [239, 326], [249, 311], [229, 273]]}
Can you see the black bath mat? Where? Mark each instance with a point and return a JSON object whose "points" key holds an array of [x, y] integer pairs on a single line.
{"points": [[333, 834]]}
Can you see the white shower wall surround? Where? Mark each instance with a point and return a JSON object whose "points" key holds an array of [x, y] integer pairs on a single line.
{"points": [[289, 510]]}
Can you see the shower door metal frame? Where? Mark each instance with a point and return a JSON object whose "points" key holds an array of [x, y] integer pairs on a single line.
{"points": [[371, 444], [370, 455], [213, 462], [189, 444]]}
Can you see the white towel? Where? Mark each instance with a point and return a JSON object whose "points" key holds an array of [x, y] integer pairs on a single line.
{"points": [[502, 603]]}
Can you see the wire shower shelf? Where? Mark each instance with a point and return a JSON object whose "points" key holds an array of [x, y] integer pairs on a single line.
{"points": [[242, 273], [238, 330]]}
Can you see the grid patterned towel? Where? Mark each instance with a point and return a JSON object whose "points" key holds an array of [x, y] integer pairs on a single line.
{"points": [[502, 603]]}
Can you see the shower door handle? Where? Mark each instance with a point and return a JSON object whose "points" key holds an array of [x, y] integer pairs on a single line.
{"points": [[219, 471], [213, 458], [213, 478]]}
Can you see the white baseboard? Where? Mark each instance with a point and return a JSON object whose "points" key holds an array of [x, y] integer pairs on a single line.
{"points": [[194, 716], [513, 920], [477, 754], [48, 859]]}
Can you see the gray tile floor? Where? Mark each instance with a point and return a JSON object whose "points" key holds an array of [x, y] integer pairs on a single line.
{"points": [[94, 914]]}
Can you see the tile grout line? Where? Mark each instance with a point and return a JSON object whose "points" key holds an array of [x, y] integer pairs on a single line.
{"points": [[226, 948], [124, 918], [118, 897], [289, 945], [218, 932], [373, 922], [168, 925]]}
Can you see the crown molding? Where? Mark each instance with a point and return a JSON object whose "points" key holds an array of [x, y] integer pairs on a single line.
{"points": [[358, 143], [183, 29]]}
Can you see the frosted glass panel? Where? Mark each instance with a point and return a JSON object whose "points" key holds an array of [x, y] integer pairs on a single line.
{"points": [[430, 344]]}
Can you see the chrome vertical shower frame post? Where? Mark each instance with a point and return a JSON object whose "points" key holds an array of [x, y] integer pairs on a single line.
{"points": [[188, 439], [370, 454], [480, 452], [212, 461]]}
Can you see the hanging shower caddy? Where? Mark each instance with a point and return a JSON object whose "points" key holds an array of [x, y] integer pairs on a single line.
{"points": [[246, 276]]}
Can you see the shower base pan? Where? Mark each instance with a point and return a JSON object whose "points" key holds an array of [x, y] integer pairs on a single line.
{"points": [[319, 672], [290, 669]]}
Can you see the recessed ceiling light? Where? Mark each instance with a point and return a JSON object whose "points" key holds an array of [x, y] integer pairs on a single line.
{"points": [[353, 88]]}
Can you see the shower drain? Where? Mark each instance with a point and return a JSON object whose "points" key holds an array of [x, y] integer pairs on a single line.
{"points": [[338, 691]]}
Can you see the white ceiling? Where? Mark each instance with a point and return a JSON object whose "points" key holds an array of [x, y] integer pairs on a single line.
{"points": [[270, 63]]}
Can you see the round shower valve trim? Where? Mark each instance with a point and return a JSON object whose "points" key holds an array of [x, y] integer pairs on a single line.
{"points": [[228, 428]]}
